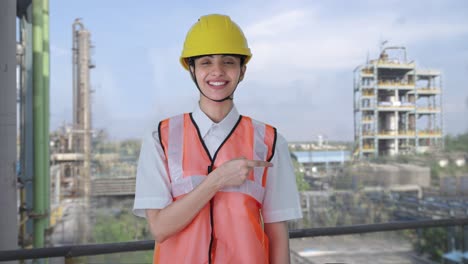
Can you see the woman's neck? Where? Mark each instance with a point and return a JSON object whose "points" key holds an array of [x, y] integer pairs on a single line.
{"points": [[216, 111]]}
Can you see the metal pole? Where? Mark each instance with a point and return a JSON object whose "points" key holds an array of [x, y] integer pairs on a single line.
{"points": [[21, 174], [46, 77], [465, 239], [84, 78], [8, 203], [38, 110], [29, 123], [26, 127], [441, 115]]}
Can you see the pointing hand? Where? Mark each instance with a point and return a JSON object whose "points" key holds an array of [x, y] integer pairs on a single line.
{"points": [[236, 171]]}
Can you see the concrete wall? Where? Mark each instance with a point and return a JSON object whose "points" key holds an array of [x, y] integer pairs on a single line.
{"points": [[387, 175]]}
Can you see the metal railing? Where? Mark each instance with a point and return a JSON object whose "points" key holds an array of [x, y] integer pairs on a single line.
{"points": [[98, 249]]}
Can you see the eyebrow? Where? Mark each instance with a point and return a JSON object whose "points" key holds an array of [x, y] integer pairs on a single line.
{"points": [[222, 55]]}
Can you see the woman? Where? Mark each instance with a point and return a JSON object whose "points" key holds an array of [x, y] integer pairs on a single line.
{"points": [[215, 186]]}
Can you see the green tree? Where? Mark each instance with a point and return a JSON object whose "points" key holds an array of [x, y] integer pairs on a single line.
{"points": [[458, 143], [302, 184], [433, 242], [120, 226]]}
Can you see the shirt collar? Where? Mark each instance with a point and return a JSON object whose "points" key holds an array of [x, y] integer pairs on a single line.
{"points": [[204, 123]]}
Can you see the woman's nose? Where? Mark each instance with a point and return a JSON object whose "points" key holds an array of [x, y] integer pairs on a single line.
{"points": [[218, 69]]}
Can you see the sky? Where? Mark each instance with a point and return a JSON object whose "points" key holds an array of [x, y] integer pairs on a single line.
{"points": [[300, 78]]}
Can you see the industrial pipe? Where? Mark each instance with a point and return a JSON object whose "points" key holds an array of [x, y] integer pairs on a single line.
{"points": [[39, 209]]}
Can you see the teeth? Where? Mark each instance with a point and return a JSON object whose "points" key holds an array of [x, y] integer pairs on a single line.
{"points": [[217, 83]]}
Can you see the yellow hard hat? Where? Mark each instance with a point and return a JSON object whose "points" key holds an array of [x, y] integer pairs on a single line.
{"points": [[214, 34]]}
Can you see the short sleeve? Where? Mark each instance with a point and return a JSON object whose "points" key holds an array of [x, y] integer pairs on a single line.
{"points": [[281, 200], [152, 190]]}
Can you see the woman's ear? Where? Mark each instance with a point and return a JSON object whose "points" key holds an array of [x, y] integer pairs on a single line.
{"points": [[242, 74], [192, 72]]}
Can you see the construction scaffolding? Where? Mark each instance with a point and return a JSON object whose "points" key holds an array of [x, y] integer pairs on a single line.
{"points": [[397, 106]]}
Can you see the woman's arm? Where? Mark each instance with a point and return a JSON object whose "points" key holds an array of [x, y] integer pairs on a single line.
{"points": [[163, 223], [279, 242], [166, 222]]}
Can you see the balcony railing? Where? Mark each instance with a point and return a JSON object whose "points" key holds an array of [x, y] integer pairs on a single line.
{"points": [[394, 64], [428, 91], [98, 249], [410, 133], [428, 110], [367, 73], [401, 84]]}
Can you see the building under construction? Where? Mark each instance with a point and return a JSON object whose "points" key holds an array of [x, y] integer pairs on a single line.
{"points": [[397, 106]]}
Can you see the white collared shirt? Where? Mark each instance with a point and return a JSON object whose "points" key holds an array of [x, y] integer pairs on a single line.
{"points": [[153, 189]]}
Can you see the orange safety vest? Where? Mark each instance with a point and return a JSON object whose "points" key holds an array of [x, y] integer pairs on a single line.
{"points": [[228, 229]]}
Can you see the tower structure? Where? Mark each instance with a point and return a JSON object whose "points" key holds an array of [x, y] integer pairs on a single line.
{"points": [[82, 100], [82, 110], [397, 106]]}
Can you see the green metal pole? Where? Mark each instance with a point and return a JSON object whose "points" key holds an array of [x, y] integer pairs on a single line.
{"points": [[46, 78], [38, 121]]}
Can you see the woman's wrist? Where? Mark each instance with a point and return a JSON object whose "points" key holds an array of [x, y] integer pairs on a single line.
{"points": [[214, 181]]}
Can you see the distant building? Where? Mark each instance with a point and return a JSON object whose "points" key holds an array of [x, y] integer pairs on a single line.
{"points": [[397, 106], [321, 160], [318, 158]]}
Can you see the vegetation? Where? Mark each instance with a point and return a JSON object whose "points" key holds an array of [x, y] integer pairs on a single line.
{"points": [[120, 226], [128, 147], [432, 242], [453, 144], [302, 184], [115, 159], [457, 143]]}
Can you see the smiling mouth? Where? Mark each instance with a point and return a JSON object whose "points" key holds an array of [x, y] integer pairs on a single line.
{"points": [[217, 84]]}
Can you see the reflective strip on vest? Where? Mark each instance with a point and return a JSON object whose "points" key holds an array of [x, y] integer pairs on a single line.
{"points": [[260, 149], [175, 147]]}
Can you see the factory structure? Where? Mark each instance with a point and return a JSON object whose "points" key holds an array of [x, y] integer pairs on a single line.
{"points": [[71, 144], [65, 168], [397, 106]]}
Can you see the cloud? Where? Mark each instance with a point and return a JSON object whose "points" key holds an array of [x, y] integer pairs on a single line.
{"points": [[293, 44], [281, 23]]}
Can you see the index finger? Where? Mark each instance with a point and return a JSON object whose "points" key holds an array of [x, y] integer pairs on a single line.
{"points": [[259, 163]]}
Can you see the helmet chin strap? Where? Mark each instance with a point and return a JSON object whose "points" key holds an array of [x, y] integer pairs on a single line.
{"points": [[229, 97]]}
